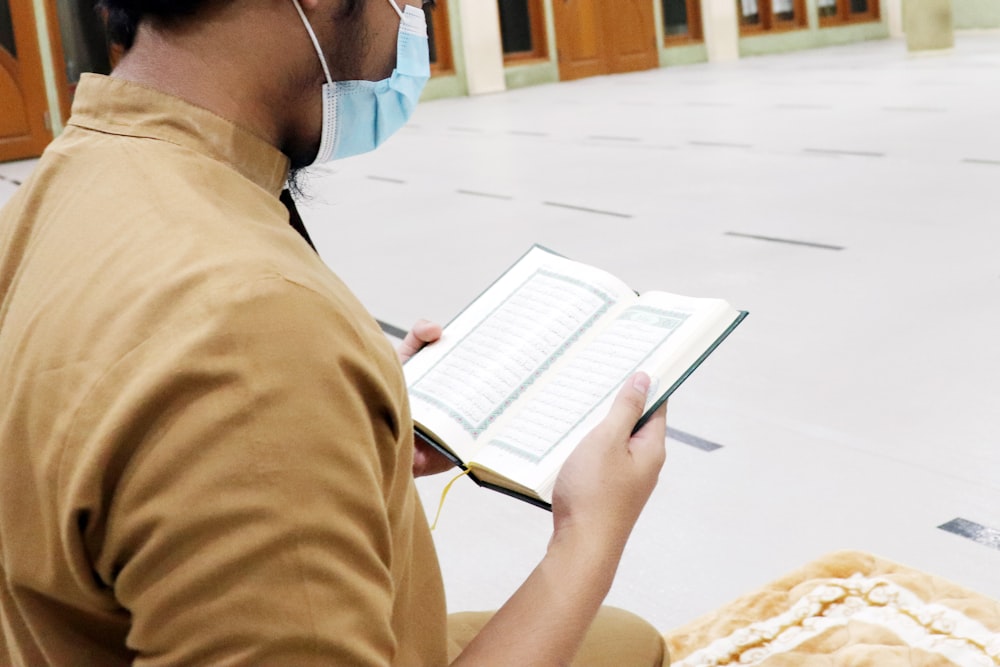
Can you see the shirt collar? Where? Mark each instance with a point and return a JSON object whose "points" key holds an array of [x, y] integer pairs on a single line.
{"points": [[116, 106]]}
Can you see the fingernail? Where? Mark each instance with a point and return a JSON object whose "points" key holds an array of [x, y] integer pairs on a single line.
{"points": [[641, 382]]}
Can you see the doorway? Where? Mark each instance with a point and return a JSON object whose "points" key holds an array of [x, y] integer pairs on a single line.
{"points": [[599, 37], [24, 121]]}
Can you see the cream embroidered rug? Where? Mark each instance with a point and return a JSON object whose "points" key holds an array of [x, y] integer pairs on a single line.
{"points": [[848, 609]]}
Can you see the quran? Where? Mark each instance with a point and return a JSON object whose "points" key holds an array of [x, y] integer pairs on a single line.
{"points": [[523, 373]]}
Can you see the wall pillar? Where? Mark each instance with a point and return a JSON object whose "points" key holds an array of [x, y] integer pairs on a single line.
{"points": [[929, 24], [722, 30], [893, 12], [48, 65], [481, 46]]}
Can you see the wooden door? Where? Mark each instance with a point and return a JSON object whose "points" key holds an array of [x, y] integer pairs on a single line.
{"points": [[580, 38], [632, 35], [602, 37], [23, 106]]}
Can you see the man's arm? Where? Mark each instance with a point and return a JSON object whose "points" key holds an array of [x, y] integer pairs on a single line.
{"points": [[260, 516], [599, 494]]}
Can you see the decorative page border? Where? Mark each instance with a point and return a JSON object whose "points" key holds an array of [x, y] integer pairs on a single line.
{"points": [[670, 314], [475, 430]]}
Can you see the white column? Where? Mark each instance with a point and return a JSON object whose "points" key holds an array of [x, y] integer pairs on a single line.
{"points": [[929, 25], [722, 30], [481, 46], [48, 65], [894, 14]]}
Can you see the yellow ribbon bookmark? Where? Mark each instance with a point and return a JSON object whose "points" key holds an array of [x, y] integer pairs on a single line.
{"points": [[447, 488]]}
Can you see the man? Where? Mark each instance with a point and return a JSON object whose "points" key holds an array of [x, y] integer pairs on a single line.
{"points": [[206, 453]]}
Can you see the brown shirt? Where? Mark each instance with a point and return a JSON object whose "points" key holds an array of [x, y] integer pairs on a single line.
{"points": [[205, 442]]}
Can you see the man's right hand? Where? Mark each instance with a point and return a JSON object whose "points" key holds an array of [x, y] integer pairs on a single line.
{"points": [[606, 482], [598, 496]]}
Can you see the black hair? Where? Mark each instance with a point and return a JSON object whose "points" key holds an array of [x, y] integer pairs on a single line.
{"points": [[122, 17]]}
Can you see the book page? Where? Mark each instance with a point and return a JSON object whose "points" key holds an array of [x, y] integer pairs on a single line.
{"points": [[497, 349], [578, 394]]}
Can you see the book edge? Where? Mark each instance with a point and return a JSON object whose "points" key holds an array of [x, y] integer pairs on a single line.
{"points": [[691, 369]]}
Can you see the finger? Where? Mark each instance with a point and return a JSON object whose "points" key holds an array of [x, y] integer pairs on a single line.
{"points": [[648, 444], [409, 347], [427, 460], [629, 403], [426, 331], [652, 427], [422, 333]]}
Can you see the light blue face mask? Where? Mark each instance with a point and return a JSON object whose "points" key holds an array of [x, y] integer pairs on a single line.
{"points": [[360, 115]]}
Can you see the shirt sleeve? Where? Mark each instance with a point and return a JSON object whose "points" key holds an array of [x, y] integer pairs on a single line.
{"points": [[241, 496]]}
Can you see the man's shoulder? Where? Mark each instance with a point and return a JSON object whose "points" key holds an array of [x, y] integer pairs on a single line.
{"points": [[139, 258]]}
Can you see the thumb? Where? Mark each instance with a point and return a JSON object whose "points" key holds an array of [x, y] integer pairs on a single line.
{"points": [[426, 331], [422, 333], [629, 403]]}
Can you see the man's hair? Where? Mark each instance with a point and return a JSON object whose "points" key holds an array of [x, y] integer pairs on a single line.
{"points": [[122, 17]]}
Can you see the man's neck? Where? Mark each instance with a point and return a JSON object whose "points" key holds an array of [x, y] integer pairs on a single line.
{"points": [[227, 64]]}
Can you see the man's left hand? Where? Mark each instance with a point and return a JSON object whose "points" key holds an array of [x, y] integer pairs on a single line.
{"points": [[426, 459], [424, 332]]}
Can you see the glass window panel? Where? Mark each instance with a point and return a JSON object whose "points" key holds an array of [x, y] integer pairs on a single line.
{"points": [[784, 10], [7, 28], [675, 17], [859, 6], [827, 7], [749, 14], [515, 26]]}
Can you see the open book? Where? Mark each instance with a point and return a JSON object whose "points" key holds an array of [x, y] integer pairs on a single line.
{"points": [[532, 365]]}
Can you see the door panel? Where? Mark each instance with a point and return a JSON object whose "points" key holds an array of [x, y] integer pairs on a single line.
{"points": [[580, 39], [14, 119], [633, 35], [22, 89], [601, 37]]}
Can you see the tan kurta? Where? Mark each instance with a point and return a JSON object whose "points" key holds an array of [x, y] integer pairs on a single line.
{"points": [[205, 444]]}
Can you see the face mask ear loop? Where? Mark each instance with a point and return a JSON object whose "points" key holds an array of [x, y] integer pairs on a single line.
{"points": [[312, 36], [396, 7]]}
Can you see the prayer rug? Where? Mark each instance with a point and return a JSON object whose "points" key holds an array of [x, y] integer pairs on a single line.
{"points": [[847, 609]]}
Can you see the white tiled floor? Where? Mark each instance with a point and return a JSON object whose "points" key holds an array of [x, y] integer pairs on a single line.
{"points": [[858, 406]]}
